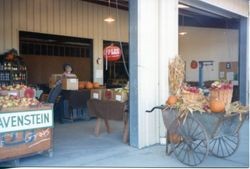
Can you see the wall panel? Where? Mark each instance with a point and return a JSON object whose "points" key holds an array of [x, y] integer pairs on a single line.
{"points": [[2, 25], [62, 17]]}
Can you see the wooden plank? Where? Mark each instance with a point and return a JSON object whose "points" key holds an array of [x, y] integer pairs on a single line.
{"points": [[68, 15], [90, 20], [30, 15], [2, 36], [44, 13], [79, 19], [22, 15], [56, 15], [105, 24], [85, 19], [97, 126], [15, 24], [37, 18], [62, 10], [74, 17], [7, 24], [50, 16]]}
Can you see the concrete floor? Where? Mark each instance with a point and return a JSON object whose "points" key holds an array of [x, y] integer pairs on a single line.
{"points": [[76, 145]]}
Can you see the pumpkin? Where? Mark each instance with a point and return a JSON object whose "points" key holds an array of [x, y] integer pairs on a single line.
{"points": [[82, 84], [217, 106], [171, 100], [96, 85], [89, 85]]}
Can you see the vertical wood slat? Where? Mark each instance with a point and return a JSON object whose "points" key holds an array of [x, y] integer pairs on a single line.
{"points": [[2, 37], [68, 13], [7, 24], [44, 13], [62, 17], [30, 15], [50, 16], [56, 15], [90, 20], [74, 18], [85, 19], [79, 19], [15, 24], [37, 18], [22, 15], [104, 31]]}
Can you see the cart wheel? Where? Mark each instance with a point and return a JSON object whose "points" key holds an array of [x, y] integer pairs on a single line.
{"points": [[189, 141], [225, 145]]}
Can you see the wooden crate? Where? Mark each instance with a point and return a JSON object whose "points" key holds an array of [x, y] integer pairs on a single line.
{"points": [[15, 145]]}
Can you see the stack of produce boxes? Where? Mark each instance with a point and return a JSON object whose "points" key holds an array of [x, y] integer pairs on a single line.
{"points": [[116, 94]]}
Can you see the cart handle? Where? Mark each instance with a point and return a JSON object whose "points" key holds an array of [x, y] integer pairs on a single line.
{"points": [[161, 107]]}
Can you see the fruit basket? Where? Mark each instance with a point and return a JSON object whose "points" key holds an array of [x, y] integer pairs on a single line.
{"points": [[222, 91]]}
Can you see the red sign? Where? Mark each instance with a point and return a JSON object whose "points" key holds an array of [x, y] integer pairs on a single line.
{"points": [[194, 64], [112, 53]]}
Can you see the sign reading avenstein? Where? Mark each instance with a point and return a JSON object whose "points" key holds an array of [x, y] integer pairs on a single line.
{"points": [[17, 121]]}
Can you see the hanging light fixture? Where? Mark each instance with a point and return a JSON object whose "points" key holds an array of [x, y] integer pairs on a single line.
{"points": [[109, 19]]}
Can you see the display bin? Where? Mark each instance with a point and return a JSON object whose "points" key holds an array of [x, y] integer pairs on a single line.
{"points": [[25, 132]]}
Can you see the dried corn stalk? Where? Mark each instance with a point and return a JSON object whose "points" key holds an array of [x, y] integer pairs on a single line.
{"points": [[236, 107], [176, 74]]}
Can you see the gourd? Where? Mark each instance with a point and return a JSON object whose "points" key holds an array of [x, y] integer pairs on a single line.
{"points": [[82, 84], [171, 100], [96, 85], [89, 85], [217, 106]]}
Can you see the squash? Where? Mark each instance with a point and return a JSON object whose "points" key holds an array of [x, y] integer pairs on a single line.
{"points": [[217, 106], [82, 84], [96, 85], [89, 85], [171, 100]]}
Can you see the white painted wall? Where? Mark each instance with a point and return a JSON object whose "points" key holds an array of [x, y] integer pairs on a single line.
{"points": [[61, 17], [219, 45]]}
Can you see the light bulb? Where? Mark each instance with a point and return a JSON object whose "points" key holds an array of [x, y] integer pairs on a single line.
{"points": [[109, 19]]}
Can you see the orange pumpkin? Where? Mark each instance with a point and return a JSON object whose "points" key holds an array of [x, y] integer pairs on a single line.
{"points": [[89, 85], [82, 84], [217, 106], [171, 100], [96, 85]]}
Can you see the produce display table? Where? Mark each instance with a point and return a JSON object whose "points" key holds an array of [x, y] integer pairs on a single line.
{"points": [[26, 131], [73, 104], [109, 110]]}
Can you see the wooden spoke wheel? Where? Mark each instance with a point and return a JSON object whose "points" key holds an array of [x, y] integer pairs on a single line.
{"points": [[225, 145], [188, 140]]}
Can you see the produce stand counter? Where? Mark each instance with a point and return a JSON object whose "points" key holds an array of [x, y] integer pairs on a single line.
{"points": [[73, 104], [26, 131], [109, 110]]}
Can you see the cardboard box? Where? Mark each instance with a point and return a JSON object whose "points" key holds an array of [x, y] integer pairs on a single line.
{"points": [[70, 84], [121, 96], [108, 94], [53, 79], [97, 94]]}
